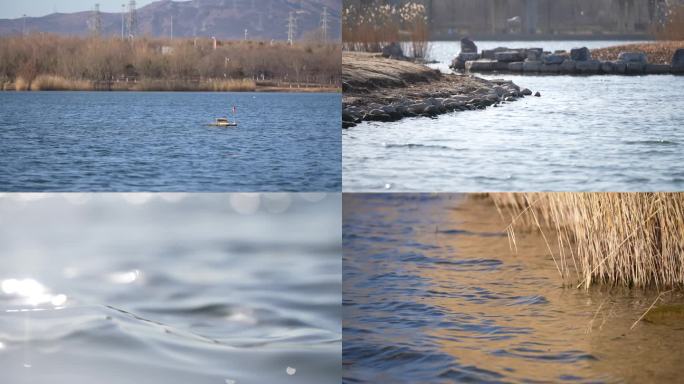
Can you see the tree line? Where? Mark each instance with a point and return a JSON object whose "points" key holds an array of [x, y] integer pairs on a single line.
{"points": [[112, 60]]}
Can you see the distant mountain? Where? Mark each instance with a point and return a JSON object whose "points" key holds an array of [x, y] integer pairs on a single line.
{"points": [[225, 19]]}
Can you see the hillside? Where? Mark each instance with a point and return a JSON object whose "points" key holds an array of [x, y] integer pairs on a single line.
{"points": [[224, 19]]}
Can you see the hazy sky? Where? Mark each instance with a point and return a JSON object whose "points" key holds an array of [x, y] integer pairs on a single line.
{"points": [[10, 9]]}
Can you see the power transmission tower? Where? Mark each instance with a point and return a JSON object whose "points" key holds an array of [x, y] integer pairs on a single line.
{"points": [[132, 20], [291, 28], [324, 24], [95, 22]]}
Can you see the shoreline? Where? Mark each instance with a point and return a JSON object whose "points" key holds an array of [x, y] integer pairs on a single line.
{"points": [[380, 89], [257, 90]]}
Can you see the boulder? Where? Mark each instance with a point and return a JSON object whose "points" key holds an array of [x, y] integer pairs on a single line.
{"points": [[607, 67], [468, 45], [515, 67], [634, 68], [678, 61], [526, 92], [568, 66], [490, 53], [480, 66], [537, 94], [378, 115], [588, 67], [500, 66], [532, 66], [554, 59], [468, 56], [550, 68], [580, 54], [417, 108], [509, 56], [633, 57], [534, 54], [619, 67], [393, 51], [657, 69]]}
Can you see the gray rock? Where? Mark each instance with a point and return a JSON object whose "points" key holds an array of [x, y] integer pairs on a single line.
{"points": [[607, 67], [619, 67], [468, 56], [515, 67], [393, 51], [378, 115], [634, 68], [490, 53], [633, 57], [550, 68], [526, 92], [417, 108], [657, 69], [480, 66], [580, 54], [554, 59], [678, 61], [468, 45], [509, 56], [588, 67], [536, 53], [532, 66], [431, 110], [537, 94], [500, 66], [568, 66]]}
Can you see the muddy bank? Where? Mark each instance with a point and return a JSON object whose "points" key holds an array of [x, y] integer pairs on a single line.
{"points": [[379, 89]]}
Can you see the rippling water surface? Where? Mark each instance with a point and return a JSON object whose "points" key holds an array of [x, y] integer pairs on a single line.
{"points": [[433, 294], [170, 288], [161, 141], [585, 133]]}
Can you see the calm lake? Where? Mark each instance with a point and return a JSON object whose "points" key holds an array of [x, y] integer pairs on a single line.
{"points": [[434, 294], [170, 288], [161, 141], [585, 133]]}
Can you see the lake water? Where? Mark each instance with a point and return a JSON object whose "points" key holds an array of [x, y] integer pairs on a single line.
{"points": [[161, 141], [434, 294], [170, 288], [585, 133]]}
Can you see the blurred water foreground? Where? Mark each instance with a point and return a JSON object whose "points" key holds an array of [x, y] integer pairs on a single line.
{"points": [[170, 288]]}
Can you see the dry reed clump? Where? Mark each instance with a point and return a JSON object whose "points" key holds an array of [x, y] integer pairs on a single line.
{"points": [[58, 83], [622, 239], [20, 84], [242, 85], [369, 27], [673, 26]]}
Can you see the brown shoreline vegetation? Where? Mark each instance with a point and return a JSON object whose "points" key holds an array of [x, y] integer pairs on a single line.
{"points": [[381, 89], [660, 52], [616, 239], [40, 62]]}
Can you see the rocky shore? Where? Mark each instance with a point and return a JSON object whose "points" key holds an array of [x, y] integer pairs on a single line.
{"points": [[382, 89], [623, 60]]}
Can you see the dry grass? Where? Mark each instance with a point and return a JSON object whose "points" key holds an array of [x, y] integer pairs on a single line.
{"points": [[660, 52], [370, 26], [623, 239], [58, 83]]}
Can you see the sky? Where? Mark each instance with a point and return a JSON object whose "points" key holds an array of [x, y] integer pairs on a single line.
{"points": [[12, 9]]}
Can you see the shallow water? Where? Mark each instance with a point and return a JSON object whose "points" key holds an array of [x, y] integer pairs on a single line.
{"points": [[161, 141], [596, 133], [122, 289], [433, 293]]}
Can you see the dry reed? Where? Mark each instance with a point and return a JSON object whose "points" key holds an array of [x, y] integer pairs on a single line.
{"points": [[59, 83], [369, 27], [622, 239]]}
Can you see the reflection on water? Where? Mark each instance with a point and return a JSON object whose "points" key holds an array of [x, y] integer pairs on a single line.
{"points": [[591, 133], [170, 288], [433, 293]]}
